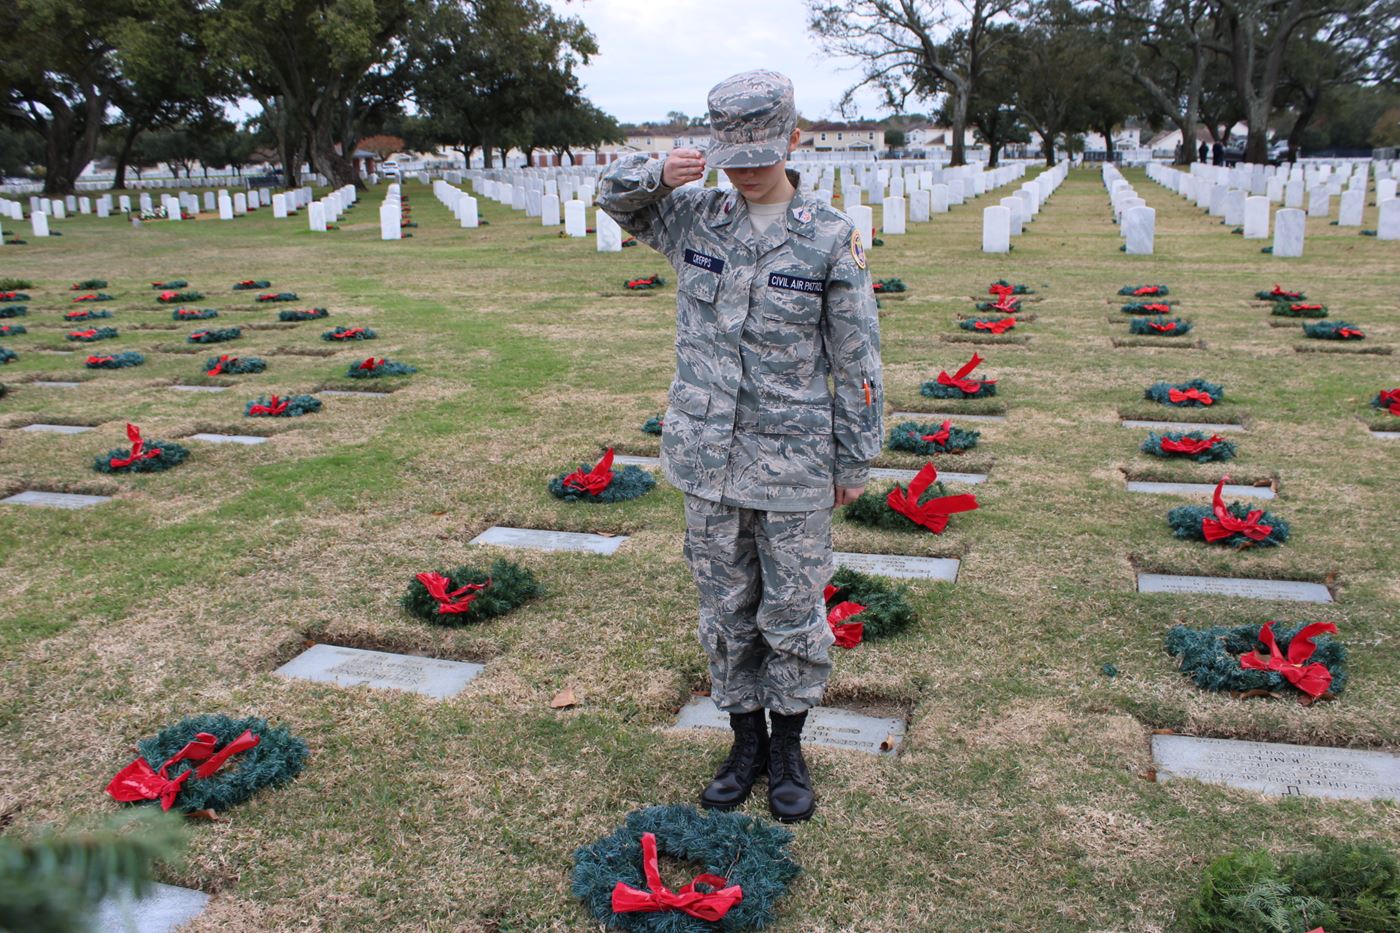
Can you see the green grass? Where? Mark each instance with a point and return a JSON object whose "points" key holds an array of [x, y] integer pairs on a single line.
{"points": [[1016, 802]]}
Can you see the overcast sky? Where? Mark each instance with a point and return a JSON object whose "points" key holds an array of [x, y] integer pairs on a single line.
{"points": [[655, 56]]}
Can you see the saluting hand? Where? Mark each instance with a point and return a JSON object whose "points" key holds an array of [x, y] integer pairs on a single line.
{"points": [[683, 166]]}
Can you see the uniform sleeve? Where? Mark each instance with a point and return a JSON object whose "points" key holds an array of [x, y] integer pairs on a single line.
{"points": [[632, 194], [851, 331]]}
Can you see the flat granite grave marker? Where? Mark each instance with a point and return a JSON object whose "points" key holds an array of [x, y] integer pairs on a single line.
{"points": [[199, 388], [352, 393], [1279, 769], [245, 439], [942, 416], [1292, 590], [56, 428], [826, 725], [52, 384], [164, 908], [1201, 489], [1208, 426], [646, 463], [539, 539], [903, 566], [56, 500], [904, 476], [356, 667], [1386, 435]]}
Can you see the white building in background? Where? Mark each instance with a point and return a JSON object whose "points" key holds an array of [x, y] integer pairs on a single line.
{"points": [[827, 136]]}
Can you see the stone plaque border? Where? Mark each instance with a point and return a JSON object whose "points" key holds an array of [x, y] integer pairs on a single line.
{"points": [[1375, 775], [1304, 590]]}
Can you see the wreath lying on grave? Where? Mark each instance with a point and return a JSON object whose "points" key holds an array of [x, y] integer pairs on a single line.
{"points": [[178, 298], [1194, 394], [233, 365], [619, 880], [989, 325], [278, 296], [172, 284], [1154, 307], [1193, 445], [85, 315], [10, 283], [889, 286], [226, 761], [466, 595], [249, 284], [1295, 309], [1002, 287], [1235, 525], [91, 334], [87, 285], [654, 425], [1333, 330], [115, 361], [349, 333], [216, 335], [1387, 399], [13, 296], [7, 330], [1280, 293], [372, 368], [1145, 291], [193, 314], [303, 314], [7, 355], [1253, 662], [1005, 305], [630, 241], [278, 406], [958, 385], [602, 483], [924, 505], [927, 439], [879, 606], [1171, 327], [94, 296], [15, 311], [644, 284], [143, 457]]}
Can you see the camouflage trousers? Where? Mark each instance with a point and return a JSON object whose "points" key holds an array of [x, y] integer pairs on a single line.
{"points": [[762, 616]]}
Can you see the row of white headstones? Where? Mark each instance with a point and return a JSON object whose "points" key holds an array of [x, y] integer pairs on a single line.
{"points": [[1007, 219], [172, 206], [1137, 223]]}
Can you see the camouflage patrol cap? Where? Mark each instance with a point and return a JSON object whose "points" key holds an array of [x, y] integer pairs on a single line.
{"points": [[752, 114]]}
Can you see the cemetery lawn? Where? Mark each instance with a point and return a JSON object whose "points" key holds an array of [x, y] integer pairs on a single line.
{"points": [[1021, 798]]}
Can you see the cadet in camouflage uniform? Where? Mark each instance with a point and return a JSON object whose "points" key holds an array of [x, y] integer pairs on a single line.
{"points": [[773, 417]]}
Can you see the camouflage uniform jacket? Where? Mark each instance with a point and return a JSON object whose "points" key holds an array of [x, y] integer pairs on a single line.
{"points": [[778, 395]]}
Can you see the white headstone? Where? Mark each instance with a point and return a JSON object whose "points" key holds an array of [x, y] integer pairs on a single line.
{"points": [[124, 203], [1234, 207], [1015, 206], [104, 207], [467, 212], [939, 199], [1352, 207], [996, 230], [575, 219], [316, 216], [1290, 225], [390, 219], [1319, 202], [279, 206], [1256, 218], [211, 202], [1385, 189], [1293, 193], [892, 216], [918, 206], [240, 204], [549, 210], [39, 222], [84, 205], [1139, 228], [609, 233], [1388, 228], [225, 206]]}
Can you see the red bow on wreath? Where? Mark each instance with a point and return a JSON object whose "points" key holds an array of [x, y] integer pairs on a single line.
{"points": [[90, 332], [370, 364], [1224, 524], [709, 906], [959, 379], [168, 296], [996, 327], [224, 361], [848, 634], [1001, 291], [595, 480], [934, 513], [1280, 292], [1390, 400], [1188, 445], [1313, 679], [138, 782], [98, 360], [248, 283], [348, 334], [649, 280], [1177, 396], [138, 449], [275, 406], [8, 295], [1166, 328], [1146, 290], [940, 436], [1305, 307], [1350, 332], [1157, 308], [457, 601], [197, 334], [85, 298]]}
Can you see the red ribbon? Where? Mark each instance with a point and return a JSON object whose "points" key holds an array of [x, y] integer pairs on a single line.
{"points": [[1314, 679], [1391, 398], [595, 480], [348, 334], [138, 449], [996, 327], [1350, 332], [248, 282], [9, 295], [1157, 308], [1147, 290], [85, 298], [1176, 396], [934, 513], [1224, 524], [1305, 307], [370, 364], [959, 381], [275, 406], [1166, 328], [848, 634], [75, 315], [710, 906], [168, 296], [219, 366], [940, 436], [197, 334], [649, 280], [457, 601], [96, 360], [1188, 445], [1279, 292], [1001, 291], [137, 781], [90, 332], [186, 312]]}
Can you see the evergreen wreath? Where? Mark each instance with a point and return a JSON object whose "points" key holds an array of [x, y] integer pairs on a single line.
{"points": [[10, 283], [278, 296], [1153, 307], [91, 334], [1333, 330], [928, 438], [282, 406], [143, 456], [372, 368], [193, 314], [958, 385], [1386, 399], [1236, 525], [1211, 657], [85, 315], [303, 314], [1193, 445], [1000, 285], [277, 757], [342, 334], [1297, 309], [654, 425], [630, 241], [1168, 327], [9, 330], [644, 284], [15, 311], [96, 296], [7, 355], [751, 853], [601, 483], [1197, 393], [115, 361], [215, 335], [87, 285], [233, 365], [13, 296], [466, 595], [924, 506], [989, 325], [1280, 294], [887, 611], [250, 284], [888, 286], [1141, 291], [171, 284], [170, 297]]}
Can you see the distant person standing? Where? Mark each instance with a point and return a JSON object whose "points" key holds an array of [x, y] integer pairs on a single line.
{"points": [[1217, 153], [1203, 152]]}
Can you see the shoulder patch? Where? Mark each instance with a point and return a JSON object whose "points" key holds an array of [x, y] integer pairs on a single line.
{"points": [[857, 251]]}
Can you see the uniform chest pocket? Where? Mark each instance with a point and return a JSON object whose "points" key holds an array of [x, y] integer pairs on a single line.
{"points": [[790, 298], [700, 284]]}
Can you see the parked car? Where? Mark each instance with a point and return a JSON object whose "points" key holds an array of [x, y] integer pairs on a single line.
{"points": [[389, 169]]}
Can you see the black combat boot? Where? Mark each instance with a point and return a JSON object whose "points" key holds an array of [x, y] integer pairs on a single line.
{"points": [[790, 796], [747, 759]]}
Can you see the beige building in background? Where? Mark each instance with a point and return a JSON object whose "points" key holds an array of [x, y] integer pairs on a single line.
{"points": [[843, 137]]}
